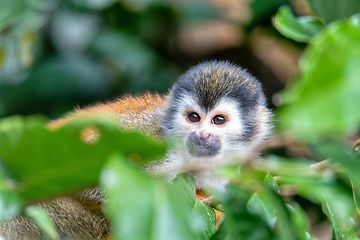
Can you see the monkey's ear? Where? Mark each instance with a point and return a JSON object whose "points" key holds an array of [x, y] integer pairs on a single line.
{"points": [[264, 127]]}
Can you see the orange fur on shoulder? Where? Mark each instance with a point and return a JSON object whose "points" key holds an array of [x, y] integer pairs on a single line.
{"points": [[131, 113]]}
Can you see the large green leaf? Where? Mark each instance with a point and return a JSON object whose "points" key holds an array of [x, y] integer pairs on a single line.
{"points": [[323, 100], [49, 163], [141, 207], [301, 29], [331, 10]]}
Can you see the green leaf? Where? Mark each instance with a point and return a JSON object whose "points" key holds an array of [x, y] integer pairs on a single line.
{"points": [[299, 220], [50, 163], [240, 222], [187, 182], [285, 167], [208, 215], [10, 203], [43, 221], [141, 207], [343, 225], [208, 218], [258, 205], [321, 102], [271, 183], [286, 228], [261, 205], [301, 29], [331, 10], [344, 157], [320, 188], [336, 202]]}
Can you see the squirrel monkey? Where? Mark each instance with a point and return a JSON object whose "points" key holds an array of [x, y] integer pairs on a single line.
{"points": [[214, 111]]}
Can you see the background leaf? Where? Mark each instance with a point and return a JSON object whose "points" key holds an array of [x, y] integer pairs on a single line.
{"points": [[301, 29], [331, 10], [322, 101]]}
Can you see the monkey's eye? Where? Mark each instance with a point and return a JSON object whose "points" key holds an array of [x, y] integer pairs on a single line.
{"points": [[193, 117], [218, 120]]}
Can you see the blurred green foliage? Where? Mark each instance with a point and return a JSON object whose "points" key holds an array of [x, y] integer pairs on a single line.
{"points": [[148, 208], [24, 139], [322, 102], [301, 29], [55, 54]]}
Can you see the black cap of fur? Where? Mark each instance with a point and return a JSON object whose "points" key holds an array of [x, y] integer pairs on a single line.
{"points": [[209, 82]]}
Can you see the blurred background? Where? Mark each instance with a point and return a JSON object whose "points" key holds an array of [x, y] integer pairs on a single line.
{"points": [[55, 55]]}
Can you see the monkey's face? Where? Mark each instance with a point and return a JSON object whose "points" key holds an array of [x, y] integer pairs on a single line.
{"points": [[207, 134], [215, 110]]}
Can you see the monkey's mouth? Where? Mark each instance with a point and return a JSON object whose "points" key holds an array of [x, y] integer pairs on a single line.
{"points": [[202, 148], [201, 151]]}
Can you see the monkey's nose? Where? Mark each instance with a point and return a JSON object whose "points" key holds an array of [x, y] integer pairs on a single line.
{"points": [[204, 136]]}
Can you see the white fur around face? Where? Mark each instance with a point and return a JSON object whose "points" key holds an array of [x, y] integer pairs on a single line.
{"points": [[227, 132], [203, 168]]}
